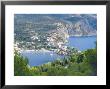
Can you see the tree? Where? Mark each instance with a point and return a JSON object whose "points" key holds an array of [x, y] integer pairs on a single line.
{"points": [[20, 66], [80, 58]]}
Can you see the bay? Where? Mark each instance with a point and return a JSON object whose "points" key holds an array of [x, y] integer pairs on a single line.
{"points": [[82, 42], [37, 58]]}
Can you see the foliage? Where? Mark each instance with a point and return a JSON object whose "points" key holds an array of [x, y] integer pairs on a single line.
{"points": [[20, 65], [76, 64]]}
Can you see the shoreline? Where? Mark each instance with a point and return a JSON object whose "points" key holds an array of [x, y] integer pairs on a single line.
{"points": [[41, 50], [83, 36], [46, 50]]}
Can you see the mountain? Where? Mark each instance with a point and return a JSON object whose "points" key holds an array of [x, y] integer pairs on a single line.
{"points": [[35, 31]]}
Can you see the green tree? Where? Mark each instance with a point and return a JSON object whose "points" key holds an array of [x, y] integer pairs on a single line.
{"points": [[20, 66]]}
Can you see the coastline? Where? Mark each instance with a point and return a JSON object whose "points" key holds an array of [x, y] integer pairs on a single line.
{"points": [[82, 35], [41, 50], [20, 50]]}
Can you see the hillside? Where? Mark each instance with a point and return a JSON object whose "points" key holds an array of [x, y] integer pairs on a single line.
{"points": [[36, 31]]}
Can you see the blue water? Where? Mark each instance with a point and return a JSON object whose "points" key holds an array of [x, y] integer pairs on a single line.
{"points": [[39, 57], [82, 43]]}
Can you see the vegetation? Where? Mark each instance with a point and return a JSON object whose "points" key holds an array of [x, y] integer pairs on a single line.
{"points": [[50, 32], [76, 64], [36, 31]]}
